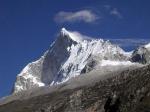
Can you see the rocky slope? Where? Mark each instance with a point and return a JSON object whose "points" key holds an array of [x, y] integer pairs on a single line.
{"points": [[129, 91]]}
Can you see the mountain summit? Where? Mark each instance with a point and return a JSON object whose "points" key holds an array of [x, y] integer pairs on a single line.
{"points": [[71, 54], [142, 54], [75, 36]]}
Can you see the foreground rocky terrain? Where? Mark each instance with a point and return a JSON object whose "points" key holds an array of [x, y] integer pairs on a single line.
{"points": [[129, 91]]}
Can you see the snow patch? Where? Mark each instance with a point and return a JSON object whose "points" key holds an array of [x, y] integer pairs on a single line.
{"points": [[147, 46], [128, 54], [115, 63]]}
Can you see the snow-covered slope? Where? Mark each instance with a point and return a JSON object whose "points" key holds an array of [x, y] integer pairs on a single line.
{"points": [[70, 55], [147, 46]]}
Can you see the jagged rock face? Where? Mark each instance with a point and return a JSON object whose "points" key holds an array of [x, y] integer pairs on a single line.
{"points": [[131, 87], [69, 56], [142, 55]]}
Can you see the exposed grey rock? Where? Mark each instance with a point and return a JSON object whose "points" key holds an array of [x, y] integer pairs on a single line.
{"points": [[141, 55]]}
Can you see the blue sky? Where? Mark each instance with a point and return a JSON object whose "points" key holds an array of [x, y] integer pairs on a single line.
{"points": [[27, 27]]}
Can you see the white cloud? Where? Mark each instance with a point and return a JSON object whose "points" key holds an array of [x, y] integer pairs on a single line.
{"points": [[116, 13], [78, 34], [130, 42], [82, 15]]}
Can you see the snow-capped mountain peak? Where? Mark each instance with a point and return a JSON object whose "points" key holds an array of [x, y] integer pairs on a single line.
{"points": [[72, 54], [64, 32], [75, 36], [142, 54]]}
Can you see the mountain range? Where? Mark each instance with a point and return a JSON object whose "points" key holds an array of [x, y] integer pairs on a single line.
{"points": [[73, 54], [82, 74]]}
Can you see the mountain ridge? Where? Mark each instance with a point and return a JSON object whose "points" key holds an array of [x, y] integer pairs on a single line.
{"points": [[70, 55]]}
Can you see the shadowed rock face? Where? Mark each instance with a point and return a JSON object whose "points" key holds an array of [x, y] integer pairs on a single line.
{"points": [[141, 55], [131, 87]]}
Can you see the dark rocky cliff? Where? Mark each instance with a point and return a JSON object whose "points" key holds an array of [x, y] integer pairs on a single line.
{"points": [[131, 88], [141, 55]]}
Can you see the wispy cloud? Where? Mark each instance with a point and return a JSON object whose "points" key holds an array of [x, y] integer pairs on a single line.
{"points": [[83, 15], [108, 7], [130, 42], [113, 11], [116, 13]]}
